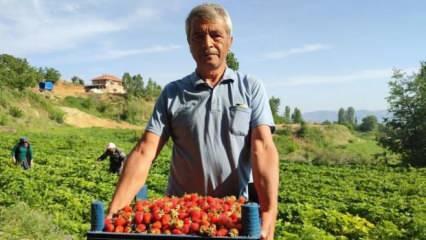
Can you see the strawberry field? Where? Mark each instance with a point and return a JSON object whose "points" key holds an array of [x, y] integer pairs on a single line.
{"points": [[316, 202]]}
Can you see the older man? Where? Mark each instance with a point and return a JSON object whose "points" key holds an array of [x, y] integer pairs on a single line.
{"points": [[220, 123]]}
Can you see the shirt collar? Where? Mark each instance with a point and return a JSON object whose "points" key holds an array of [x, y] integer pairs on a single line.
{"points": [[229, 76]]}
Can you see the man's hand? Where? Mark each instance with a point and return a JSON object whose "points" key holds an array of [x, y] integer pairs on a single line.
{"points": [[268, 226], [14, 160]]}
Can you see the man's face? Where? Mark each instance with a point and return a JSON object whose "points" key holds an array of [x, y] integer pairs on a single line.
{"points": [[209, 43]]}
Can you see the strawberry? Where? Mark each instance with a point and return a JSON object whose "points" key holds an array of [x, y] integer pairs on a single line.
{"points": [[140, 228], [139, 217], [222, 232], [109, 227], [177, 231], [156, 224], [119, 229], [120, 221], [147, 218], [165, 219]]}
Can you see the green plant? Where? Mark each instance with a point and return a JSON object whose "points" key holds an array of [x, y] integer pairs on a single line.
{"points": [[15, 112], [3, 120]]}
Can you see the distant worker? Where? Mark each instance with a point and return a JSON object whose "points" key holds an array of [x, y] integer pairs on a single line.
{"points": [[22, 153], [116, 158]]}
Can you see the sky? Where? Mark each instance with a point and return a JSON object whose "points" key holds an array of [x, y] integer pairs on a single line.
{"points": [[313, 55]]}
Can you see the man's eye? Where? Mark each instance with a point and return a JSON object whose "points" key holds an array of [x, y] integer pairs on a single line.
{"points": [[216, 35]]}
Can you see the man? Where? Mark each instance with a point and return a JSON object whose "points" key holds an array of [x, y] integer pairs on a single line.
{"points": [[22, 153], [220, 123], [116, 158]]}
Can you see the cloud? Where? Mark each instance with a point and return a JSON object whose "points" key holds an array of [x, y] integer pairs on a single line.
{"points": [[308, 48], [47, 26], [118, 53], [362, 75]]}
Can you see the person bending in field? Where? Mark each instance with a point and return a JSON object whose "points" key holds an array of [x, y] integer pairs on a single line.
{"points": [[220, 123], [116, 158], [22, 153]]}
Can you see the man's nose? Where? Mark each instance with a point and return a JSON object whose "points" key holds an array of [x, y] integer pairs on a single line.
{"points": [[207, 41]]}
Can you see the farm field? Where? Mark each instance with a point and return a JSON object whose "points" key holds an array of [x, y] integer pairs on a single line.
{"points": [[316, 201]]}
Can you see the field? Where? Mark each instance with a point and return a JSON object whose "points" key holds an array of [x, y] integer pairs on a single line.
{"points": [[52, 200]]}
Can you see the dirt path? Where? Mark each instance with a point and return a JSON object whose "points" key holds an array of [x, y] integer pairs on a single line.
{"points": [[81, 119]]}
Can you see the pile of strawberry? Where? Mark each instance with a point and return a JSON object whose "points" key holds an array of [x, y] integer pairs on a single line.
{"points": [[190, 214]]}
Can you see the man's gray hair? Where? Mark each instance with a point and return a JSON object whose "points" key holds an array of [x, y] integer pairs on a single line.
{"points": [[210, 12]]}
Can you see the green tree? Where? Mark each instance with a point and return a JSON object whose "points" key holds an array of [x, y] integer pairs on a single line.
{"points": [[232, 61], [341, 116], [369, 123], [152, 89], [17, 72], [51, 74], [134, 85], [350, 116], [77, 80], [297, 116], [405, 130], [274, 103], [127, 81], [287, 113], [138, 83]]}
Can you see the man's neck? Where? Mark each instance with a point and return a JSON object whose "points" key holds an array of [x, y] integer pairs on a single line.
{"points": [[212, 77]]}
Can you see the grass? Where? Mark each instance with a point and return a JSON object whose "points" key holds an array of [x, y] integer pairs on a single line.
{"points": [[132, 110], [328, 145], [22, 222]]}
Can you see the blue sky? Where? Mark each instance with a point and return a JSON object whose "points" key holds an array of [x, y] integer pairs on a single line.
{"points": [[314, 55]]}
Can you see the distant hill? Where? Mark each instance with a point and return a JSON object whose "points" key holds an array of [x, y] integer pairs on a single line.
{"points": [[323, 115]]}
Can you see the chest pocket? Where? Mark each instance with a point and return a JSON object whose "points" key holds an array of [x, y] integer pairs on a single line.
{"points": [[240, 120]]}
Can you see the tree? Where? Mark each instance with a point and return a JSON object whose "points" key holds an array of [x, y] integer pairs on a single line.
{"points": [[297, 116], [274, 103], [350, 116], [134, 85], [77, 80], [341, 116], [51, 74], [369, 123], [232, 61], [405, 131], [17, 72], [287, 114], [152, 89]]}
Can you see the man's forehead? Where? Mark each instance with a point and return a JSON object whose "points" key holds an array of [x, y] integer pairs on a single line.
{"points": [[203, 25], [199, 22]]}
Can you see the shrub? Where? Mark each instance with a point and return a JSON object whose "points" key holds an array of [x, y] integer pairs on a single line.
{"points": [[3, 120], [57, 116], [15, 112]]}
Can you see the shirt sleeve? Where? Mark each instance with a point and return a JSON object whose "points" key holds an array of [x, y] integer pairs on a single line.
{"points": [[103, 156], [159, 121], [261, 111]]}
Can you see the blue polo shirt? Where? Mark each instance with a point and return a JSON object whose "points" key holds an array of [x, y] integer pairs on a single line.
{"points": [[210, 129]]}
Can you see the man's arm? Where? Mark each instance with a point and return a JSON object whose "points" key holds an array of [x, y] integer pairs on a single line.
{"points": [[103, 156], [265, 164], [13, 154], [136, 170]]}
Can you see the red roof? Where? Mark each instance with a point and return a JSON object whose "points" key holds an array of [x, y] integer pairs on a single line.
{"points": [[106, 77]]}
